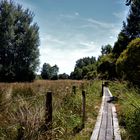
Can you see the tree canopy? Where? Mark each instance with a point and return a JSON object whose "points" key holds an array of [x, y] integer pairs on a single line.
{"points": [[19, 41], [128, 64], [84, 68], [49, 72]]}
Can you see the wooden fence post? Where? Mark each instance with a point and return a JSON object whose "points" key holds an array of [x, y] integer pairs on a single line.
{"points": [[74, 89], [48, 115], [83, 107], [20, 135], [102, 89]]}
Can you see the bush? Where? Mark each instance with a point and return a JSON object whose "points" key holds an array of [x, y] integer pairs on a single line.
{"points": [[128, 64]]}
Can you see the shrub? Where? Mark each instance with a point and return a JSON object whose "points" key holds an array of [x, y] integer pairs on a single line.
{"points": [[128, 64]]}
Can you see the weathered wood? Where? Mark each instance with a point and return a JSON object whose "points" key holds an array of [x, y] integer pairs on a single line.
{"points": [[109, 134], [116, 125], [48, 115], [106, 127], [102, 92], [96, 130], [102, 134], [83, 107]]}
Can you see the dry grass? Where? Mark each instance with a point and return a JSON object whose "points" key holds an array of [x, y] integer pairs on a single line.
{"points": [[22, 109]]}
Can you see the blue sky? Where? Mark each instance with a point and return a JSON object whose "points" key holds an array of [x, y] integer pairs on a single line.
{"points": [[73, 29]]}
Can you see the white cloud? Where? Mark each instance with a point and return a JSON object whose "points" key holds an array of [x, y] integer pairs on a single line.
{"points": [[66, 56], [100, 24], [76, 13], [121, 15]]}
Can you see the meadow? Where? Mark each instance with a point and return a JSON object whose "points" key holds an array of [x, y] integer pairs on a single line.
{"points": [[22, 109]]}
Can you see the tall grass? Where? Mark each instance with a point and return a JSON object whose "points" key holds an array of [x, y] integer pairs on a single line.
{"points": [[22, 109], [128, 107]]}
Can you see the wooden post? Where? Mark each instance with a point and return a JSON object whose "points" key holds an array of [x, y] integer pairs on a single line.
{"points": [[48, 115], [20, 135], [83, 107], [102, 88], [74, 89]]}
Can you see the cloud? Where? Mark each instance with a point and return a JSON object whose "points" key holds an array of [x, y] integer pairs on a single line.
{"points": [[70, 51], [100, 24], [121, 15], [76, 14]]}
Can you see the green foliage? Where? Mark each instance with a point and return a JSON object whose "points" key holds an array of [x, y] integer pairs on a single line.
{"points": [[85, 61], [128, 107], [106, 67], [121, 44], [19, 41], [84, 69], [107, 49], [128, 64], [63, 76], [49, 72], [131, 28]]}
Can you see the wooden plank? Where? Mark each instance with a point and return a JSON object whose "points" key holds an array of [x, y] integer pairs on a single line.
{"points": [[117, 135], [102, 133], [96, 130], [106, 127], [116, 128], [109, 134]]}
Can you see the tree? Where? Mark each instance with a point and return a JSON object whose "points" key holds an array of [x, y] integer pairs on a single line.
{"points": [[131, 28], [83, 67], [46, 71], [85, 61], [128, 2], [107, 49], [128, 64], [106, 67], [63, 76], [121, 44], [54, 72], [49, 72], [19, 41]]}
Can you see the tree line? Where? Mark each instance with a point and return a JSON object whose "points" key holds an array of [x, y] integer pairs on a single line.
{"points": [[19, 52]]}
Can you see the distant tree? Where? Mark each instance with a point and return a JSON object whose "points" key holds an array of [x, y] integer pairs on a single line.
{"points": [[83, 67], [128, 64], [106, 67], [85, 61], [49, 72], [107, 49], [46, 71], [77, 74], [54, 72], [63, 76], [19, 41]]}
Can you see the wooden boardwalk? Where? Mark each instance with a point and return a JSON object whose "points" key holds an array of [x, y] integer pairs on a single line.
{"points": [[106, 127]]}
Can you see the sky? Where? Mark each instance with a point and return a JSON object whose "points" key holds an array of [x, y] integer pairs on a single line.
{"points": [[73, 29]]}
